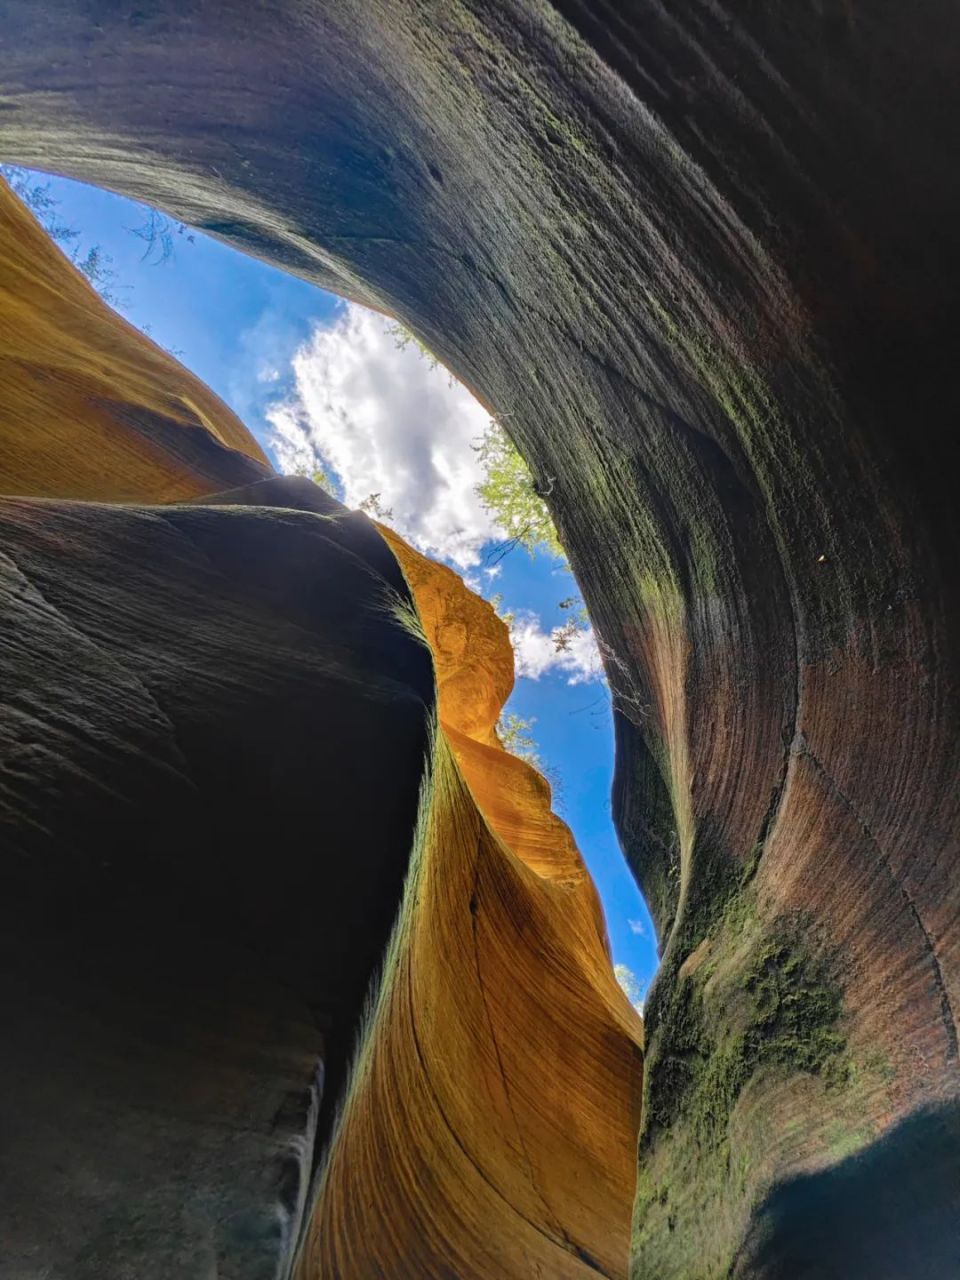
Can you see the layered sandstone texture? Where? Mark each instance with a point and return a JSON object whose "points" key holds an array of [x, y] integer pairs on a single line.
{"points": [[490, 1127], [198, 706], [232, 777], [90, 409], [701, 259], [198, 703]]}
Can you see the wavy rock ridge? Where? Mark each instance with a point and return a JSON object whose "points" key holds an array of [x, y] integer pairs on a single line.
{"points": [[68, 364], [701, 260], [490, 1123], [490, 1129]]}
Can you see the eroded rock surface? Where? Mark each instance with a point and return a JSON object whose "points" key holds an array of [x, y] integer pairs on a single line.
{"points": [[208, 860], [490, 1128], [92, 409], [702, 260], [212, 737]]}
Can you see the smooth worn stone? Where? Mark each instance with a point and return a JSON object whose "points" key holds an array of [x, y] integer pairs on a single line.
{"points": [[700, 259]]}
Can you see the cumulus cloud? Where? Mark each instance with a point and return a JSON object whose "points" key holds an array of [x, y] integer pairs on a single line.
{"points": [[387, 423], [537, 654], [637, 927], [631, 985]]}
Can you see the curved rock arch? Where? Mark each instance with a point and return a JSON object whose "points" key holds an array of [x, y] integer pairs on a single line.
{"points": [[702, 266]]}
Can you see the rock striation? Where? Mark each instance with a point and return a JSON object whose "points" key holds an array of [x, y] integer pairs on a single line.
{"points": [[490, 1127], [701, 261], [200, 705], [91, 409], [238, 792], [213, 730]]}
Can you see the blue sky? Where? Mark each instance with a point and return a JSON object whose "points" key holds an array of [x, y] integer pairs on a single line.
{"points": [[315, 378]]}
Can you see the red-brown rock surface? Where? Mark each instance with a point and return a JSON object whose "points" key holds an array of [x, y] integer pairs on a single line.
{"points": [[702, 260]]}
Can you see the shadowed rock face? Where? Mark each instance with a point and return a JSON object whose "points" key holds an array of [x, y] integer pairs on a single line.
{"points": [[849, 1219], [703, 265], [213, 735]]}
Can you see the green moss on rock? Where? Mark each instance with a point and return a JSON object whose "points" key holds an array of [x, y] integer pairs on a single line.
{"points": [[749, 1007]]}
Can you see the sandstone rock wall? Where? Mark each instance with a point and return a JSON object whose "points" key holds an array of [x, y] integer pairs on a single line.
{"points": [[92, 409], [490, 1130], [212, 731], [701, 260], [210, 781], [221, 736]]}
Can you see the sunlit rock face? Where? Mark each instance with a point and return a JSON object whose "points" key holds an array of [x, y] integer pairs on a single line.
{"points": [[490, 1127], [240, 802], [90, 408], [701, 260]]}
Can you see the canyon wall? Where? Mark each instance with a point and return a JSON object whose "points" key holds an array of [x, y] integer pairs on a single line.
{"points": [[490, 1128], [199, 704], [701, 263], [292, 947]]}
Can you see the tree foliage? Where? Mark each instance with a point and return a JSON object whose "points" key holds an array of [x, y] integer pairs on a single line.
{"points": [[507, 490], [403, 338], [509, 493], [95, 265], [374, 508], [157, 232], [317, 474], [38, 199], [516, 736]]}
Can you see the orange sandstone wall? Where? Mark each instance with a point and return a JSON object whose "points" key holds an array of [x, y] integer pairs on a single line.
{"points": [[89, 407], [490, 1129]]}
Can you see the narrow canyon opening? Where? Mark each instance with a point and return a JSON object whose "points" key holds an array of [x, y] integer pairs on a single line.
{"points": [[341, 395], [699, 263]]}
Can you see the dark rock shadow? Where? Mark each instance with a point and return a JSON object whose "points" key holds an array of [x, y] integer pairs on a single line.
{"points": [[891, 1212]]}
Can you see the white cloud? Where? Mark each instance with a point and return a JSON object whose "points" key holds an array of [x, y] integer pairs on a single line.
{"points": [[262, 371], [637, 927], [387, 423], [537, 654], [634, 989]]}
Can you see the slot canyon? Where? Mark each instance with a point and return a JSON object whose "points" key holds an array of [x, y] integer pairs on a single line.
{"points": [[302, 978]]}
